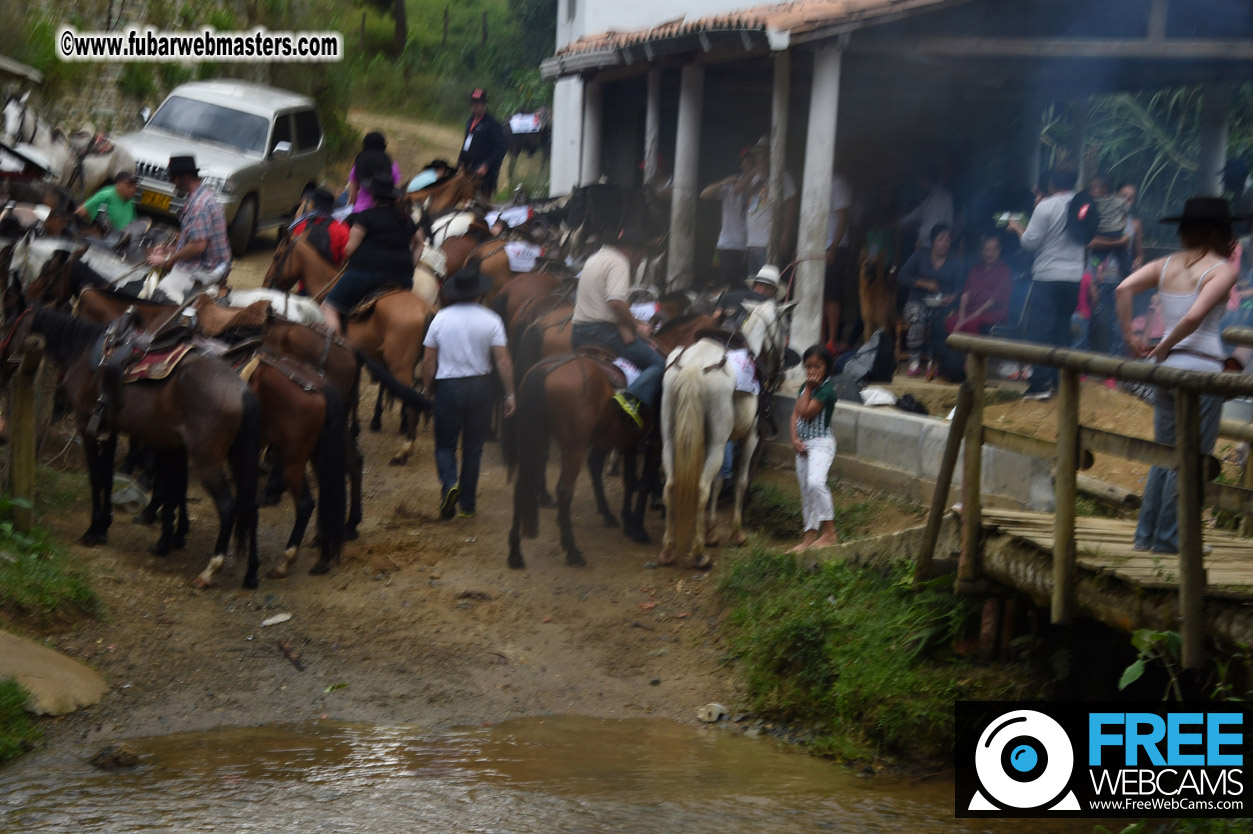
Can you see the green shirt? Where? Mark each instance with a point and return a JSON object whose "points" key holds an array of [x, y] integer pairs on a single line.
{"points": [[120, 211], [820, 424]]}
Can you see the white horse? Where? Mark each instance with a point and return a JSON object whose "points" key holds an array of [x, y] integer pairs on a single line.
{"points": [[73, 168], [701, 411]]}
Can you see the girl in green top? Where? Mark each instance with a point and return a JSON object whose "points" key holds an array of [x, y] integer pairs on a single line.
{"points": [[815, 449]]}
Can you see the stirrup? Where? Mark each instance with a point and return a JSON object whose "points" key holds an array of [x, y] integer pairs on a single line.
{"points": [[631, 409]]}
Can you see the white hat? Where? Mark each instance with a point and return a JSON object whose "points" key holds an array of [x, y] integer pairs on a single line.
{"points": [[768, 274]]}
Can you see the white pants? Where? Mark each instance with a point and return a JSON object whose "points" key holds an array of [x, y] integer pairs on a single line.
{"points": [[811, 473]]}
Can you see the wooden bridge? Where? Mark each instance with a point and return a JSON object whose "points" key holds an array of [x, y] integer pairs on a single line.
{"points": [[1087, 567]]}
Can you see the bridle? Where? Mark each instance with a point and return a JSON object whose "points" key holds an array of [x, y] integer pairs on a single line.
{"points": [[8, 340], [276, 269]]}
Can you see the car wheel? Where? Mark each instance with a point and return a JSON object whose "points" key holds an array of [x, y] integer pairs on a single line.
{"points": [[243, 226]]}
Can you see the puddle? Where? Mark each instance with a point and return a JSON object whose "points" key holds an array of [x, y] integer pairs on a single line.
{"points": [[549, 775]]}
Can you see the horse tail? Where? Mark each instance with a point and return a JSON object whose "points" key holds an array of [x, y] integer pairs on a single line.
{"points": [[330, 464], [529, 350], [687, 429], [245, 458], [528, 459], [405, 393]]}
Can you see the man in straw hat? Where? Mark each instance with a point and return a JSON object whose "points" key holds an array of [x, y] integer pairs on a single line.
{"points": [[603, 317], [202, 256], [765, 284], [463, 340]]}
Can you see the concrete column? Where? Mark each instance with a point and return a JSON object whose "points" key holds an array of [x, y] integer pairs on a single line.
{"points": [[1080, 109], [1033, 146], [778, 153], [824, 105], [652, 124], [682, 257], [567, 135], [1214, 122], [593, 122]]}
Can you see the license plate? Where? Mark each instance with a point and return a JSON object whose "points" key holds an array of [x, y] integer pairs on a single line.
{"points": [[156, 199]]}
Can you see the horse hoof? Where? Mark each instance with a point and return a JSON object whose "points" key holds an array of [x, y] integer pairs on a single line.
{"points": [[200, 583], [268, 500], [179, 543], [376, 425], [739, 540], [665, 559], [546, 500], [277, 573], [641, 537], [320, 568], [145, 519], [702, 562], [251, 582], [610, 521], [398, 460], [712, 541], [91, 539], [160, 549], [351, 534], [516, 562], [575, 559]]}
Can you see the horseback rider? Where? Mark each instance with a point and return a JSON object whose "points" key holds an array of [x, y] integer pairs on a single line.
{"points": [[202, 255], [117, 201], [484, 147], [762, 286], [319, 217], [602, 317]]}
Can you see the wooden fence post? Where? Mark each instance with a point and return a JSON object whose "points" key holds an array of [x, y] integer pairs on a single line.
{"points": [[1191, 565], [1063, 608], [444, 42], [968, 567], [484, 42], [944, 480], [22, 433]]}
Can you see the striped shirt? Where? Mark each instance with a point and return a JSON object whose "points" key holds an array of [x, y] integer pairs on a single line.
{"points": [[820, 424], [202, 219]]}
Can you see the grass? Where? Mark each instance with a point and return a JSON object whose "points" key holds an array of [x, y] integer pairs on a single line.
{"points": [[37, 582], [856, 655], [776, 512], [18, 733]]}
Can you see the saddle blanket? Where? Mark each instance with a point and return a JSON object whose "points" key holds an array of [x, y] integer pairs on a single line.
{"points": [[157, 365], [511, 217], [644, 311], [628, 368], [525, 123], [522, 255], [451, 225], [745, 371]]}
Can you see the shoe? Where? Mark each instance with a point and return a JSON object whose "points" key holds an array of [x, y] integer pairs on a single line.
{"points": [[1111, 383], [465, 514], [448, 505], [1042, 394], [915, 367], [630, 407]]}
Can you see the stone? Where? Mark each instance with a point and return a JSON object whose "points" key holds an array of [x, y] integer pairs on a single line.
{"points": [[57, 684], [711, 713], [114, 757]]}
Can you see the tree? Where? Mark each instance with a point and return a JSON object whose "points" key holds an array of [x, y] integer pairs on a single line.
{"points": [[395, 8]]}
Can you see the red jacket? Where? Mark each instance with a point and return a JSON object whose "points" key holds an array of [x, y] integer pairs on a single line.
{"points": [[338, 232]]}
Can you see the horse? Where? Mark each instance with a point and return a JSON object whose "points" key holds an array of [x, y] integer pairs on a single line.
{"points": [[390, 335], [71, 161], [877, 292], [701, 411], [201, 406], [490, 255], [538, 138], [451, 192], [570, 398]]}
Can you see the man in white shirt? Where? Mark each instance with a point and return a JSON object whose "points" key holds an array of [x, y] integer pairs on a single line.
{"points": [[732, 240], [839, 258], [758, 210], [603, 317], [1055, 273], [936, 209], [463, 340]]}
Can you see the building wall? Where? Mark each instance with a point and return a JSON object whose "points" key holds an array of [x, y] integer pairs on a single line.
{"points": [[567, 134]]}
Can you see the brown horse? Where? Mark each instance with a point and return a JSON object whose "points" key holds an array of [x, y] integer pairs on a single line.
{"points": [[452, 192], [201, 406], [490, 255], [877, 291], [390, 335], [570, 398]]}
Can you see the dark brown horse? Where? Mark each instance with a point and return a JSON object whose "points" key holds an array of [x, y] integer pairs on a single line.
{"points": [[202, 406]]}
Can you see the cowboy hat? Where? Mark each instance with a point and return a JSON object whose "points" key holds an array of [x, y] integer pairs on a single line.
{"points": [[183, 166], [466, 283], [769, 275], [632, 236], [1210, 210], [381, 187]]}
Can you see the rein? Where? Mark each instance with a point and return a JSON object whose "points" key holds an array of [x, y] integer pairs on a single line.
{"points": [[4, 347]]}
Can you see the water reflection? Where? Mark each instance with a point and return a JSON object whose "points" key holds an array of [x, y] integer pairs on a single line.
{"points": [[565, 774]]}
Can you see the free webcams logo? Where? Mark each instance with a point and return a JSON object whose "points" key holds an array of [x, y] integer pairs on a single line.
{"points": [[1100, 760]]}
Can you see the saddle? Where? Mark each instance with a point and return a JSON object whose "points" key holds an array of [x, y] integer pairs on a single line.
{"points": [[604, 359], [216, 321], [365, 307], [125, 354], [245, 359]]}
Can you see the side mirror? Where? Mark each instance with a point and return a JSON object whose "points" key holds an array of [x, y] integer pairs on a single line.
{"points": [[282, 150], [145, 114]]}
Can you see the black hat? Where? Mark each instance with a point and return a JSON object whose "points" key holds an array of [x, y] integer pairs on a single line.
{"points": [[323, 200], [381, 186], [478, 94], [466, 283], [183, 166], [633, 236], [1207, 210], [437, 163], [373, 141]]}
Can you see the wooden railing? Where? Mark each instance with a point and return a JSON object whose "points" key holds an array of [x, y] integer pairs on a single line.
{"points": [[1073, 451]]}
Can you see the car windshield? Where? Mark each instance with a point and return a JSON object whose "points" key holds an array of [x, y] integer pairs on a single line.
{"points": [[212, 123]]}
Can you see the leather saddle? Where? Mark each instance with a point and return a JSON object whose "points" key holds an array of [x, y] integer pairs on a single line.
{"points": [[365, 307], [604, 359], [216, 321]]}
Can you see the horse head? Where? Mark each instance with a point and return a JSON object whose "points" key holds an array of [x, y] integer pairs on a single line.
{"points": [[283, 269], [765, 330]]}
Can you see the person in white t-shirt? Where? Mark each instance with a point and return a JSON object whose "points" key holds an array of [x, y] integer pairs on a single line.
{"points": [[731, 191], [758, 211], [936, 209], [839, 259], [463, 340]]}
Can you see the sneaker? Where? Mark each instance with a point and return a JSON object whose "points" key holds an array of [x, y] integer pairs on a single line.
{"points": [[465, 514], [448, 505], [630, 407], [915, 367], [1042, 394]]}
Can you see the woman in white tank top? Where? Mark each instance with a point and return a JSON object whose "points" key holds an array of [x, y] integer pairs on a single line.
{"points": [[1192, 286]]}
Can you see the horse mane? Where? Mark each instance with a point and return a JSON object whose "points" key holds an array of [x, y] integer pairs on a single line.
{"points": [[677, 321], [67, 336]]}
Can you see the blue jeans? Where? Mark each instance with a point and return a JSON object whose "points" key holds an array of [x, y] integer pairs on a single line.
{"points": [[647, 386], [463, 408], [1080, 332], [1106, 332], [1048, 323], [1158, 526]]}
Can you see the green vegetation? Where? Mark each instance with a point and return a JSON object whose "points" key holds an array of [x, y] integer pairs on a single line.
{"points": [[18, 733], [37, 583], [777, 513], [856, 654]]}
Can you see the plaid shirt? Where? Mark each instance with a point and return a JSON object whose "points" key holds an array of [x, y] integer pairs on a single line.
{"points": [[202, 219]]}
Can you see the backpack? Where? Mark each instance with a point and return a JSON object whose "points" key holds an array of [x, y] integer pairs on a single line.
{"points": [[319, 237], [1082, 218]]}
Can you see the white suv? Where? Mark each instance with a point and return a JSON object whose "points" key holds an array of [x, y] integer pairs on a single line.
{"points": [[258, 147]]}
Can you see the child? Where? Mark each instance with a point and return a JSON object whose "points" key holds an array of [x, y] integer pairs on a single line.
{"points": [[815, 449]]}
